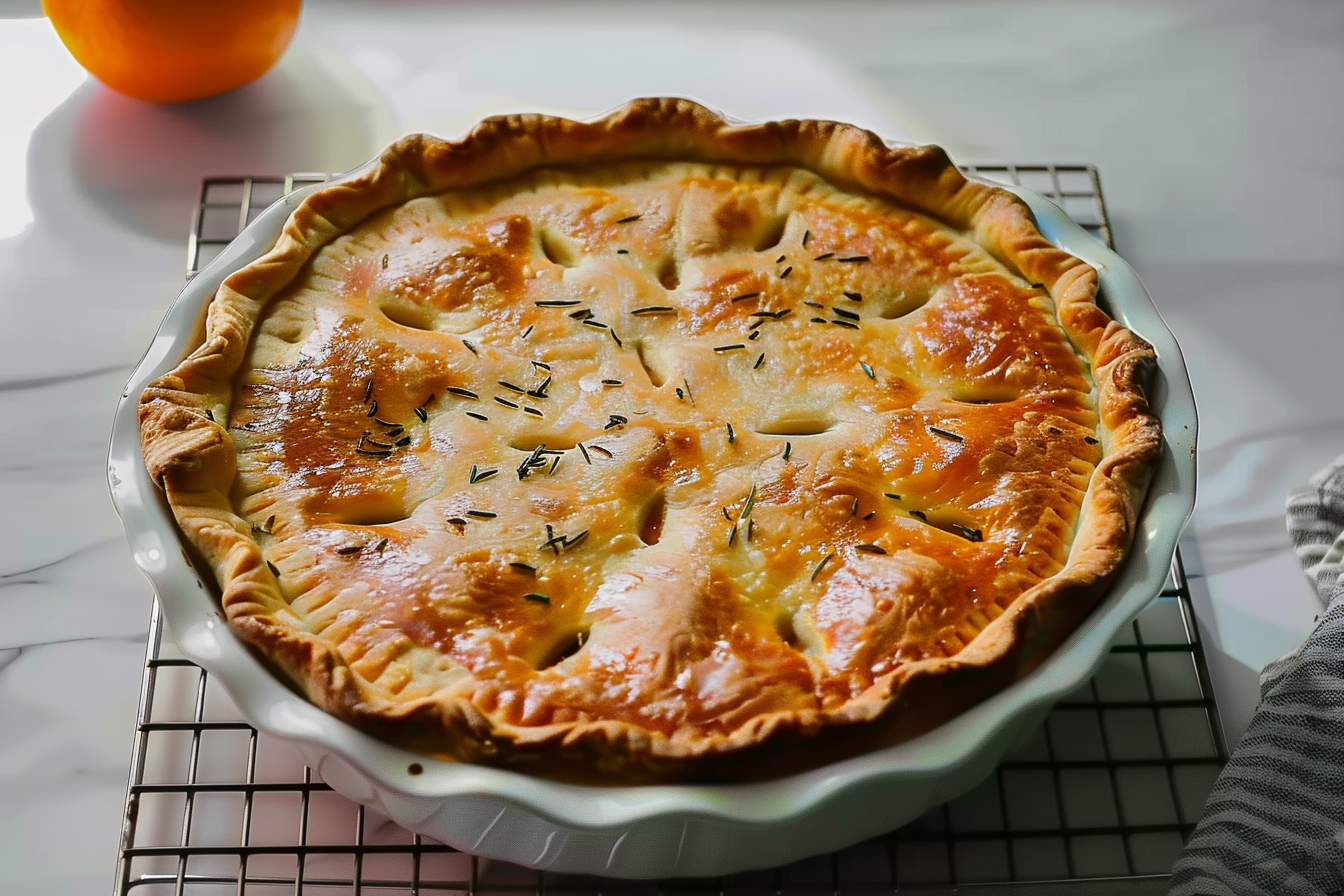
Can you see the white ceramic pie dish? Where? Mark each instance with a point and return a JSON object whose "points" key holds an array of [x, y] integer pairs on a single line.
{"points": [[660, 830]]}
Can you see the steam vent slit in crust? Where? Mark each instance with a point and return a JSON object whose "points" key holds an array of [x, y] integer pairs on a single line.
{"points": [[642, 448]]}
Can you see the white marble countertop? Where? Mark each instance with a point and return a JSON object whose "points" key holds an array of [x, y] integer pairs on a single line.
{"points": [[1215, 126]]}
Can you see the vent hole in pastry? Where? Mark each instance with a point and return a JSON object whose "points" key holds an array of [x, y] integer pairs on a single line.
{"points": [[655, 514], [891, 307], [407, 315], [557, 250], [563, 649], [552, 442], [771, 233], [986, 396], [288, 332], [655, 377], [787, 633], [367, 508], [669, 273], [375, 516], [797, 426]]}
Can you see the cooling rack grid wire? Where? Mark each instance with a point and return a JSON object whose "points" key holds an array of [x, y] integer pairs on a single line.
{"points": [[1098, 801]]}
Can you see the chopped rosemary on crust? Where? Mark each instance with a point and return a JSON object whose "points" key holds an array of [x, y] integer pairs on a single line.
{"points": [[968, 533], [816, 570]]}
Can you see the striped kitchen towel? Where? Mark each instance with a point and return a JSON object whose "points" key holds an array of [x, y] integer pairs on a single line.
{"points": [[1316, 523], [1274, 821]]}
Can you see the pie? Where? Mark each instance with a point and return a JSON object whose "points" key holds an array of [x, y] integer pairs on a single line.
{"points": [[656, 447]]}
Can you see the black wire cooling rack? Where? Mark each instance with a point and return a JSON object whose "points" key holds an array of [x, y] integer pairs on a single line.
{"points": [[1099, 801]]}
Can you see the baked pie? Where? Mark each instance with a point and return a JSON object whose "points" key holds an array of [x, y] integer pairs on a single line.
{"points": [[657, 447]]}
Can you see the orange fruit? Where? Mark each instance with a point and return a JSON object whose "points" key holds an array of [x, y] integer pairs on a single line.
{"points": [[170, 51]]}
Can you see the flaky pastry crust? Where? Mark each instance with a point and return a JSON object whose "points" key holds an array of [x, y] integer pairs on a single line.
{"points": [[656, 447]]}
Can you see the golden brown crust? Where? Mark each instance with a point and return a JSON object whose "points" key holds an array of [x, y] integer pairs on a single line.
{"points": [[627, 568]]}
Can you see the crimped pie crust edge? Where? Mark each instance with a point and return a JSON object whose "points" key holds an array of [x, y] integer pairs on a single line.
{"points": [[193, 459]]}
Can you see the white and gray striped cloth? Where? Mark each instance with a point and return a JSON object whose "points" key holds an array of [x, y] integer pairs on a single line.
{"points": [[1274, 821]]}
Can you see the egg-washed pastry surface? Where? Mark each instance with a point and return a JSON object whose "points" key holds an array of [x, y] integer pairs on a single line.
{"points": [[656, 447]]}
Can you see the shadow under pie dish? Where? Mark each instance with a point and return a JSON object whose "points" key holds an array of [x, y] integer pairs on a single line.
{"points": [[656, 448]]}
